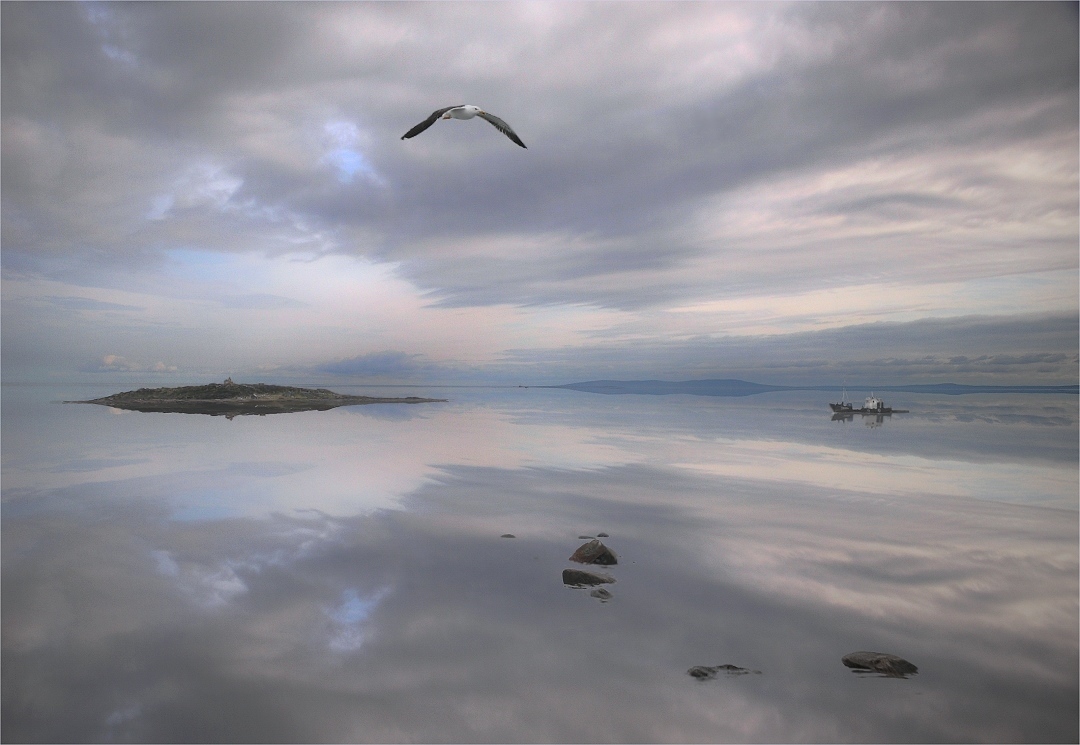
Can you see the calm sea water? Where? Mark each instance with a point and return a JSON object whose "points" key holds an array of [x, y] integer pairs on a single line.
{"points": [[339, 576]]}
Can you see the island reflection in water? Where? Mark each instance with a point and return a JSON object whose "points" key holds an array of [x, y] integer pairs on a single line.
{"points": [[341, 575]]}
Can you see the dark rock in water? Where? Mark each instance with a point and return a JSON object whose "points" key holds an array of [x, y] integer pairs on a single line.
{"points": [[594, 552], [507, 535], [601, 535], [581, 578], [888, 665], [584, 537], [602, 594], [705, 672]]}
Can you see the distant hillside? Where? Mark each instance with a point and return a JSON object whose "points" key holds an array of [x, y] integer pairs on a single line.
{"points": [[731, 387]]}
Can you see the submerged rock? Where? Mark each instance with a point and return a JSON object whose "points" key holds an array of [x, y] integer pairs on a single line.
{"points": [[507, 535], [705, 672], [594, 552], [601, 535], [581, 578], [602, 594], [887, 664]]}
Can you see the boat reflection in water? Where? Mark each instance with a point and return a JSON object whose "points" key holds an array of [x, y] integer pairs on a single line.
{"points": [[872, 406]]}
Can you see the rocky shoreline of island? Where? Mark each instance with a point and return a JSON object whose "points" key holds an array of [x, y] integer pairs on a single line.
{"points": [[232, 399]]}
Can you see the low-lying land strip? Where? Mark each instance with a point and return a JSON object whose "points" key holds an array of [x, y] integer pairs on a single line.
{"points": [[231, 399]]}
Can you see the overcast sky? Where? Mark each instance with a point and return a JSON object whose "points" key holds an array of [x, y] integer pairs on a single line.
{"points": [[807, 192]]}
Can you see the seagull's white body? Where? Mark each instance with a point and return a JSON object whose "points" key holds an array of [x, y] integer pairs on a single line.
{"points": [[464, 111], [468, 111]]}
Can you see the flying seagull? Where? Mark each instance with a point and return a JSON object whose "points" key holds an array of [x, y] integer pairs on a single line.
{"points": [[464, 111]]}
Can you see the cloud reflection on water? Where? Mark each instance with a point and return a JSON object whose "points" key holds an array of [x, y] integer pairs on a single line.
{"points": [[357, 459], [424, 624], [278, 620]]}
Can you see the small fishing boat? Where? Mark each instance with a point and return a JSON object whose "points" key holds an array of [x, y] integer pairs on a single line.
{"points": [[872, 405], [843, 406]]}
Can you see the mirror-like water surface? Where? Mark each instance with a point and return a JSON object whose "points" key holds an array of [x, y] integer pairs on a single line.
{"points": [[340, 575]]}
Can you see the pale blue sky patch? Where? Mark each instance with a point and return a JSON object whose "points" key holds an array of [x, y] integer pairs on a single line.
{"points": [[344, 152], [348, 164], [353, 608]]}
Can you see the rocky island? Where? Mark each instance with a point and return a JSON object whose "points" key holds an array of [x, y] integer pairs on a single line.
{"points": [[231, 399]]}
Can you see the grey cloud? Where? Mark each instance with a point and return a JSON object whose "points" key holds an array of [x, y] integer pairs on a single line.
{"points": [[896, 204], [827, 113], [118, 363], [85, 303], [392, 363], [601, 271], [260, 301], [1011, 359], [1021, 350], [82, 465], [621, 151]]}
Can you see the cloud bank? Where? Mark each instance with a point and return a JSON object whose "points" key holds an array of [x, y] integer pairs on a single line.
{"points": [[694, 171]]}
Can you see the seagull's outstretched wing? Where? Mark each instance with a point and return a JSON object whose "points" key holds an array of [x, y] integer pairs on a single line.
{"points": [[428, 122], [502, 127]]}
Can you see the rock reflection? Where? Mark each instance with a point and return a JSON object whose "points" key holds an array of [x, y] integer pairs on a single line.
{"points": [[581, 578], [706, 672]]}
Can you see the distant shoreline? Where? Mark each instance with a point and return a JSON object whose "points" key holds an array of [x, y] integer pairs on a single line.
{"points": [[733, 387]]}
